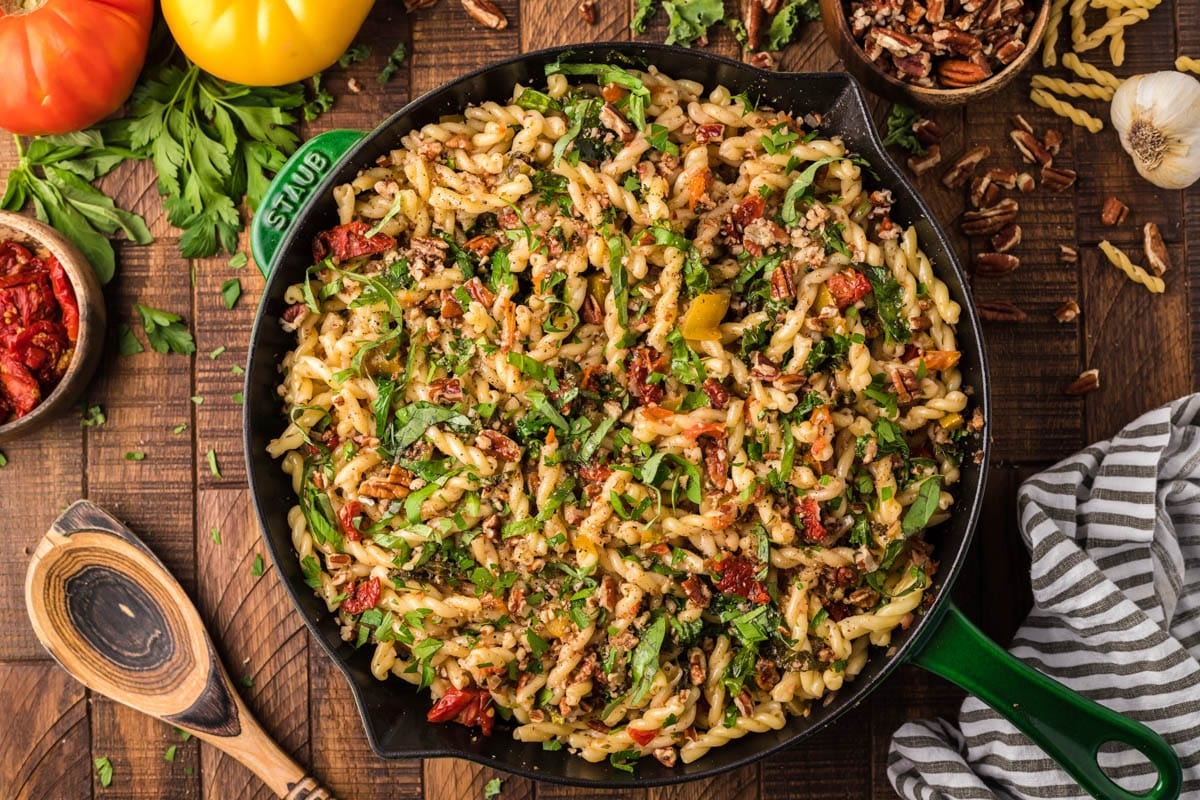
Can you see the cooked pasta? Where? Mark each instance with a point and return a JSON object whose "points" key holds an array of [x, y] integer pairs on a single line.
{"points": [[1064, 109], [1120, 260], [619, 412]]}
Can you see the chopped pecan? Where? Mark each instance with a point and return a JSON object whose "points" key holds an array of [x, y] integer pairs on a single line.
{"points": [[486, 13], [762, 367], [697, 668], [482, 245], [782, 286], [1088, 381], [718, 395], [1006, 238], [1003, 176], [960, 172], [710, 132], [789, 382], [592, 312], [986, 221], [755, 17], [716, 460], [1025, 183], [293, 313], [642, 363], [1067, 254], [612, 119], [1067, 312], [451, 308], [1158, 258], [1007, 52], [1058, 179], [960, 42], [765, 674], [445, 389], [393, 486], [665, 755], [1114, 211], [905, 382], [1031, 149], [994, 264], [935, 11], [608, 594], [957, 73], [895, 42], [922, 164], [479, 293], [587, 10], [595, 472], [918, 65], [427, 253], [1052, 140], [1000, 311], [983, 192], [499, 445], [696, 590], [744, 703], [764, 60]]}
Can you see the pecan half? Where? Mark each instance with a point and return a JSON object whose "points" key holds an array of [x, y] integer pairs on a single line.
{"points": [[1088, 381], [1022, 123], [445, 389], [1068, 311], [612, 119], [755, 16], [393, 486], [922, 164], [763, 368], [1003, 176], [1113, 212], [960, 42], [1031, 149], [983, 192], [499, 445], [718, 395], [1058, 179], [782, 282], [451, 308], [955, 73], [1006, 238], [987, 221], [927, 131], [1157, 256], [1008, 50], [994, 264], [1000, 311], [905, 382], [486, 13], [482, 245], [587, 10], [960, 172], [479, 293]]}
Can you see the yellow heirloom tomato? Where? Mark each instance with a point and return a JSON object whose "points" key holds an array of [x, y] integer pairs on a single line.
{"points": [[264, 42]]}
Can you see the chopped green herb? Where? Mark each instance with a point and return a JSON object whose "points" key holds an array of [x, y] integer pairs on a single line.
{"points": [[394, 60], [239, 260], [799, 190], [212, 463], [256, 569], [359, 52], [180, 428], [237, 397], [215, 354], [644, 662], [247, 681], [231, 290], [492, 788], [625, 760], [104, 771], [215, 534], [924, 507], [169, 755], [93, 417], [165, 331], [197, 399], [900, 123], [134, 455]]}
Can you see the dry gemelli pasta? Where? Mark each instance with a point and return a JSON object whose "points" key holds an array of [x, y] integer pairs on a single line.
{"points": [[618, 411]]}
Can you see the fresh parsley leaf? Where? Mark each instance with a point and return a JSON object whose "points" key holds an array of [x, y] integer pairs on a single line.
{"points": [[690, 20], [642, 14], [625, 760], [212, 463], [900, 121], [165, 331], [231, 290], [321, 101], [783, 26], [359, 52], [635, 102], [924, 507], [215, 534], [394, 60], [239, 260], [127, 341], [659, 138], [104, 771], [93, 417], [492, 788]]}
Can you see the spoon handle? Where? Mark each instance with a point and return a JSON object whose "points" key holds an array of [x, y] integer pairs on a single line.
{"points": [[109, 611]]}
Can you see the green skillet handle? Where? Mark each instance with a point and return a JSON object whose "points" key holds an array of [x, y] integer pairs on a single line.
{"points": [[290, 190], [1068, 726]]}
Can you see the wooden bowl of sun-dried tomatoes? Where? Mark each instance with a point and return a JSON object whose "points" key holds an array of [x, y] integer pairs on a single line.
{"points": [[52, 322]]}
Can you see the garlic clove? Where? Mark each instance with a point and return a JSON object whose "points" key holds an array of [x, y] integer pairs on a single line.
{"points": [[1158, 119]]}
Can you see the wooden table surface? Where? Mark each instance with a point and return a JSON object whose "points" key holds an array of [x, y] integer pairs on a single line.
{"points": [[1144, 346]]}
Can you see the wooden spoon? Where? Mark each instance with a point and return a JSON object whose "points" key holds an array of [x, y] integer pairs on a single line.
{"points": [[113, 617]]}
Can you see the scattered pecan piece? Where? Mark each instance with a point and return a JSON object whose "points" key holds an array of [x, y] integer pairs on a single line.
{"points": [[1007, 52], [482, 245], [615, 122], [716, 460], [486, 13], [1031, 149], [293, 313], [587, 10], [960, 172], [1025, 183], [1052, 140], [1088, 381], [782, 282], [710, 132], [498, 444], [1113, 212], [445, 389], [994, 264], [718, 395], [665, 755], [697, 672], [763, 368], [927, 132], [1000, 311], [1157, 256], [1006, 238], [1058, 179], [764, 60], [1067, 254], [1021, 123], [1003, 176], [644, 361], [1068, 311], [755, 17], [922, 164], [905, 382], [983, 192], [479, 293], [592, 312], [987, 221], [789, 382], [765, 674], [696, 590], [393, 486]]}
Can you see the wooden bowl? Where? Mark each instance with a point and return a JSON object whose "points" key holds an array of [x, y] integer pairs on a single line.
{"points": [[837, 29], [92, 320]]}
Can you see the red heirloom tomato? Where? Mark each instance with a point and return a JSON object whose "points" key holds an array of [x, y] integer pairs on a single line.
{"points": [[69, 63]]}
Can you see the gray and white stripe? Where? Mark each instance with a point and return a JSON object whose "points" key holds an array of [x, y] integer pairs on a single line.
{"points": [[1114, 536]]}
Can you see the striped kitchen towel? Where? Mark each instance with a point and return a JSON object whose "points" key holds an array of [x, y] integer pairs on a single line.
{"points": [[1114, 536]]}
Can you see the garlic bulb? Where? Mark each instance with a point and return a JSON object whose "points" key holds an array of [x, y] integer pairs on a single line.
{"points": [[1158, 118]]}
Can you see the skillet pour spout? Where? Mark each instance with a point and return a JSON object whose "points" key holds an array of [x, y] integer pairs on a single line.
{"points": [[300, 204]]}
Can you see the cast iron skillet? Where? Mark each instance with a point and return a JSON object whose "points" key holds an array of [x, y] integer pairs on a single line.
{"points": [[299, 204]]}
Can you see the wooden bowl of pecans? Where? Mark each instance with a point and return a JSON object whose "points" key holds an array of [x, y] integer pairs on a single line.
{"points": [[937, 54], [52, 322]]}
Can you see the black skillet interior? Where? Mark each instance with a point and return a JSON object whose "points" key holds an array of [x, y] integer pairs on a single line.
{"points": [[393, 713]]}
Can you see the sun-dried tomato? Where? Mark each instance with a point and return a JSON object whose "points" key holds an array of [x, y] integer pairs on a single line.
{"points": [[848, 287], [349, 241], [64, 293], [642, 737], [737, 577], [838, 611], [363, 596], [470, 706], [810, 517], [24, 299], [346, 515], [13, 257], [21, 388], [747, 211], [44, 349], [644, 362], [595, 472], [450, 704], [715, 429]]}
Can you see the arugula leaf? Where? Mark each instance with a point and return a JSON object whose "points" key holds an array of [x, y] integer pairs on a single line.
{"points": [[690, 20], [889, 302], [642, 14], [644, 662], [639, 95], [799, 189], [924, 507], [359, 52], [165, 331], [416, 418], [783, 26], [900, 121], [659, 138], [394, 60]]}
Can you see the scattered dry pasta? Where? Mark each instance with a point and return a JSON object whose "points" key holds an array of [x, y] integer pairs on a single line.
{"points": [[1071, 88], [619, 424], [1187, 64], [1050, 37], [1135, 273], [1111, 27], [1064, 109], [1090, 72]]}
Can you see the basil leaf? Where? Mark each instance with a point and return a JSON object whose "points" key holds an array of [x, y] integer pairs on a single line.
{"points": [[799, 189], [644, 662], [924, 507], [889, 302], [414, 419]]}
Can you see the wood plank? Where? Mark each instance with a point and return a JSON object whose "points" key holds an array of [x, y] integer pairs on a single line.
{"points": [[259, 635], [553, 791], [910, 694], [827, 766], [453, 778], [740, 784], [341, 757], [136, 745], [998, 545], [1032, 420], [1140, 342], [447, 45], [559, 22], [45, 756], [145, 396]]}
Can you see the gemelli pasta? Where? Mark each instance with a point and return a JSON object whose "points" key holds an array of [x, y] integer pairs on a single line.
{"points": [[617, 413]]}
